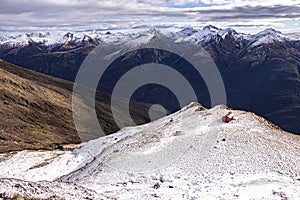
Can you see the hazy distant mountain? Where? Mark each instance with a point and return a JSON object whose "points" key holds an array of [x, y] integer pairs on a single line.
{"points": [[260, 71]]}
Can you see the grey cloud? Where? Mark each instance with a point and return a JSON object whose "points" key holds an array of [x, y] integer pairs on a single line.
{"points": [[126, 14], [249, 12], [249, 25], [148, 26]]}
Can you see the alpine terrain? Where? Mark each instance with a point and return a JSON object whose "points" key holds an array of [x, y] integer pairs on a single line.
{"points": [[260, 71], [190, 154]]}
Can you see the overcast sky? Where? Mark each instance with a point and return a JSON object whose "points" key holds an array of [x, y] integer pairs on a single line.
{"points": [[130, 15]]}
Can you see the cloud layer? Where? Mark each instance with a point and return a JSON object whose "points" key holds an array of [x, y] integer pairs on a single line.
{"points": [[123, 14]]}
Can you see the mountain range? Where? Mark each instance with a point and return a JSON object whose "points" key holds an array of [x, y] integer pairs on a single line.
{"points": [[260, 71]]}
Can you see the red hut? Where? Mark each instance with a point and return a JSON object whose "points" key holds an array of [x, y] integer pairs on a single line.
{"points": [[228, 117]]}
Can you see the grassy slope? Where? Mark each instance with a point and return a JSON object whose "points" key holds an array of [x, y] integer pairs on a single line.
{"points": [[36, 110]]}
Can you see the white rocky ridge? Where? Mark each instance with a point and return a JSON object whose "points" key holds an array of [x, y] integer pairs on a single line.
{"points": [[204, 35], [190, 154], [55, 38]]}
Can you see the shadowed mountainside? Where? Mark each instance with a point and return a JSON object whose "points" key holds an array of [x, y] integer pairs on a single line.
{"points": [[36, 110]]}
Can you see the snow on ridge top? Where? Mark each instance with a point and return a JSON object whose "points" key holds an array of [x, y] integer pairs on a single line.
{"points": [[227, 159], [153, 31], [207, 34], [268, 31], [188, 31], [218, 31], [194, 116], [211, 28], [144, 37], [210, 32], [267, 36], [271, 35], [47, 38]]}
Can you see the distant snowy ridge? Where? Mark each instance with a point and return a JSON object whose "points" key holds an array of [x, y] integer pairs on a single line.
{"points": [[247, 158], [204, 35]]}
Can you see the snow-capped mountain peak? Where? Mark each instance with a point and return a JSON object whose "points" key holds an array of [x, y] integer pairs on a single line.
{"points": [[267, 36], [144, 37], [188, 31], [210, 28], [154, 32], [269, 31]]}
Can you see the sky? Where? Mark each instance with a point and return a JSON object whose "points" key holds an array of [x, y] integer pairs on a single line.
{"points": [[133, 15]]}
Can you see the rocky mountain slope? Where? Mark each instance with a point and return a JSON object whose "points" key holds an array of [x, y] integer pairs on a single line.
{"points": [[36, 110], [190, 154], [260, 71]]}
